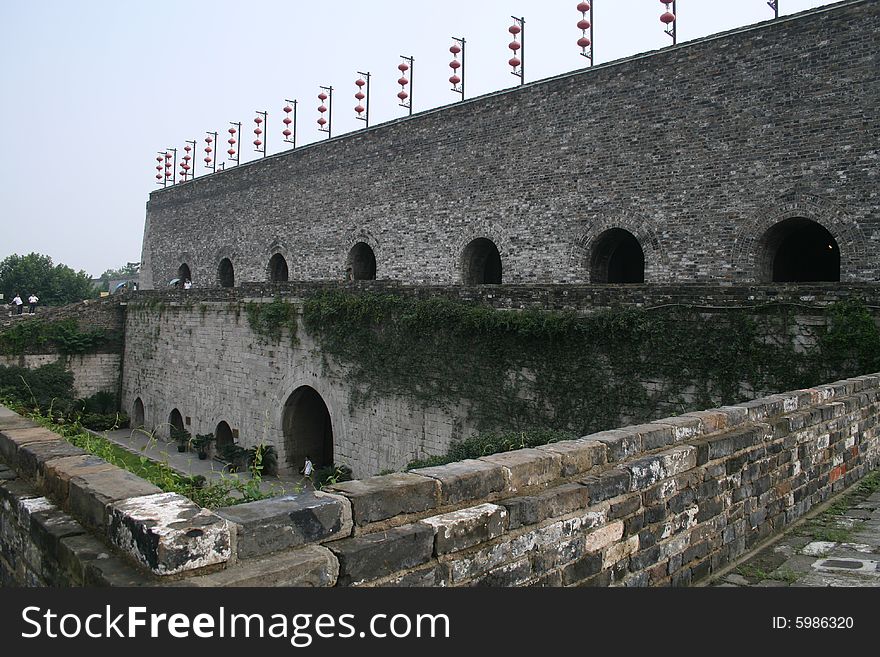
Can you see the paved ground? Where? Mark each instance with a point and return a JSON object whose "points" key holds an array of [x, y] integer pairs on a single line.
{"points": [[188, 463], [839, 547]]}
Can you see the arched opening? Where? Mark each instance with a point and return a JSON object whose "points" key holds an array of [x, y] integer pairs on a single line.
{"points": [[175, 419], [137, 414], [278, 269], [617, 258], [223, 437], [308, 430], [226, 273], [183, 274], [481, 263], [799, 250], [361, 263]]}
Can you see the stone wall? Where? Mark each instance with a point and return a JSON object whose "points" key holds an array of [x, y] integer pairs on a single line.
{"points": [[660, 504], [195, 351], [697, 150], [91, 372]]}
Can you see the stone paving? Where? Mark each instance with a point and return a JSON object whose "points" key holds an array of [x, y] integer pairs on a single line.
{"points": [[189, 464], [838, 547]]}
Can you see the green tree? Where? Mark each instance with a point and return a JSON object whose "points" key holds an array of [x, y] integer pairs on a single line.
{"points": [[130, 270], [35, 273]]}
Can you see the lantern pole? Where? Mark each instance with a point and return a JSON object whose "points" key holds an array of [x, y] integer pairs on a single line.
{"points": [[408, 64], [457, 82], [160, 169], [290, 107], [190, 146], [774, 5], [670, 19], [329, 120], [233, 152], [261, 143], [518, 29], [586, 42], [168, 172], [211, 160], [174, 167], [360, 96]]}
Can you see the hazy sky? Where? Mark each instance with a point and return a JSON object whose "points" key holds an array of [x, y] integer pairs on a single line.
{"points": [[91, 89]]}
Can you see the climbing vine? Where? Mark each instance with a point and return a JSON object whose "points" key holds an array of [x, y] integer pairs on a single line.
{"points": [[562, 371], [269, 320], [63, 336]]}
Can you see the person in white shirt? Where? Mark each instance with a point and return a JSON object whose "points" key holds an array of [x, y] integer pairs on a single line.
{"points": [[18, 303], [32, 300], [307, 468]]}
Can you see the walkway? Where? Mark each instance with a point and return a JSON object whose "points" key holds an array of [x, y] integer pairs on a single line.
{"points": [[188, 463], [838, 547]]}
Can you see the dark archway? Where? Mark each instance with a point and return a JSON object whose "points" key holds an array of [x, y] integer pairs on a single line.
{"points": [[226, 273], [184, 274], [799, 250], [223, 437], [175, 419], [481, 263], [361, 262], [278, 269], [617, 258], [308, 430], [137, 414]]}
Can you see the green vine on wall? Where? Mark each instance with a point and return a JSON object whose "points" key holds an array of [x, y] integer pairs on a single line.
{"points": [[63, 336], [563, 371], [269, 320]]}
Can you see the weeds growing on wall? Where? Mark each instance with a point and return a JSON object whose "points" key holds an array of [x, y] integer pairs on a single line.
{"points": [[269, 320], [521, 370], [492, 442], [63, 337]]}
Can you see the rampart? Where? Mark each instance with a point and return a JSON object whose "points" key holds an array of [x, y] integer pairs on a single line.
{"points": [[664, 503], [697, 151]]}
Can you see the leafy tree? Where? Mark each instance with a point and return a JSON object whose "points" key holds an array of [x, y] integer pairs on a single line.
{"points": [[35, 273], [130, 270]]}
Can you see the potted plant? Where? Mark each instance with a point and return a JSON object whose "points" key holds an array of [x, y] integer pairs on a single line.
{"points": [[264, 459], [182, 437], [202, 444], [235, 456]]}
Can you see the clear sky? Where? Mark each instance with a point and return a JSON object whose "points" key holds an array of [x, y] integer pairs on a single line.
{"points": [[92, 89]]}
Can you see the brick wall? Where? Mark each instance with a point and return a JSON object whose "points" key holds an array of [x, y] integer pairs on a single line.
{"points": [[697, 150]]}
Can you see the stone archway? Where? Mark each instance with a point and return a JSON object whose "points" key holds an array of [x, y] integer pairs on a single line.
{"points": [[481, 263], [798, 250], [617, 257], [223, 436], [308, 429], [361, 263], [137, 414], [226, 273], [277, 269], [184, 274], [175, 421]]}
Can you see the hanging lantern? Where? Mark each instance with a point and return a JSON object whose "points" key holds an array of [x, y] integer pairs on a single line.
{"points": [[516, 46], [585, 43], [668, 19]]}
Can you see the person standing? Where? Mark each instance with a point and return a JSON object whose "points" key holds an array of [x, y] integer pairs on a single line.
{"points": [[307, 469], [32, 300], [18, 303]]}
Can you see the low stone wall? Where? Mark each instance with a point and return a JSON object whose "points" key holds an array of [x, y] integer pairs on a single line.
{"points": [[91, 372], [665, 503]]}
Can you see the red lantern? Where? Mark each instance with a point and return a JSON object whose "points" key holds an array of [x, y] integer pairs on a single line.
{"points": [[667, 18], [359, 109], [454, 80], [514, 29], [583, 7], [322, 96], [455, 64], [286, 132], [359, 82], [514, 62], [403, 68], [403, 95]]}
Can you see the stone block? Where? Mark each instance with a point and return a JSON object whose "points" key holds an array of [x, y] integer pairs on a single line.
{"points": [[435, 574], [371, 556], [655, 435], [607, 485], [651, 469], [604, 536], [12, 440], [712, 420], [168, 533], [684, 427], [287, 521], [464, 528], [578, 456], [306, 566], [620, 443], [379, 498], [579, 570], [733, 441], [76, 552], [91, 493], [56, 474], [12, 420], [33, 457], [467, 480], [527, 467]]}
